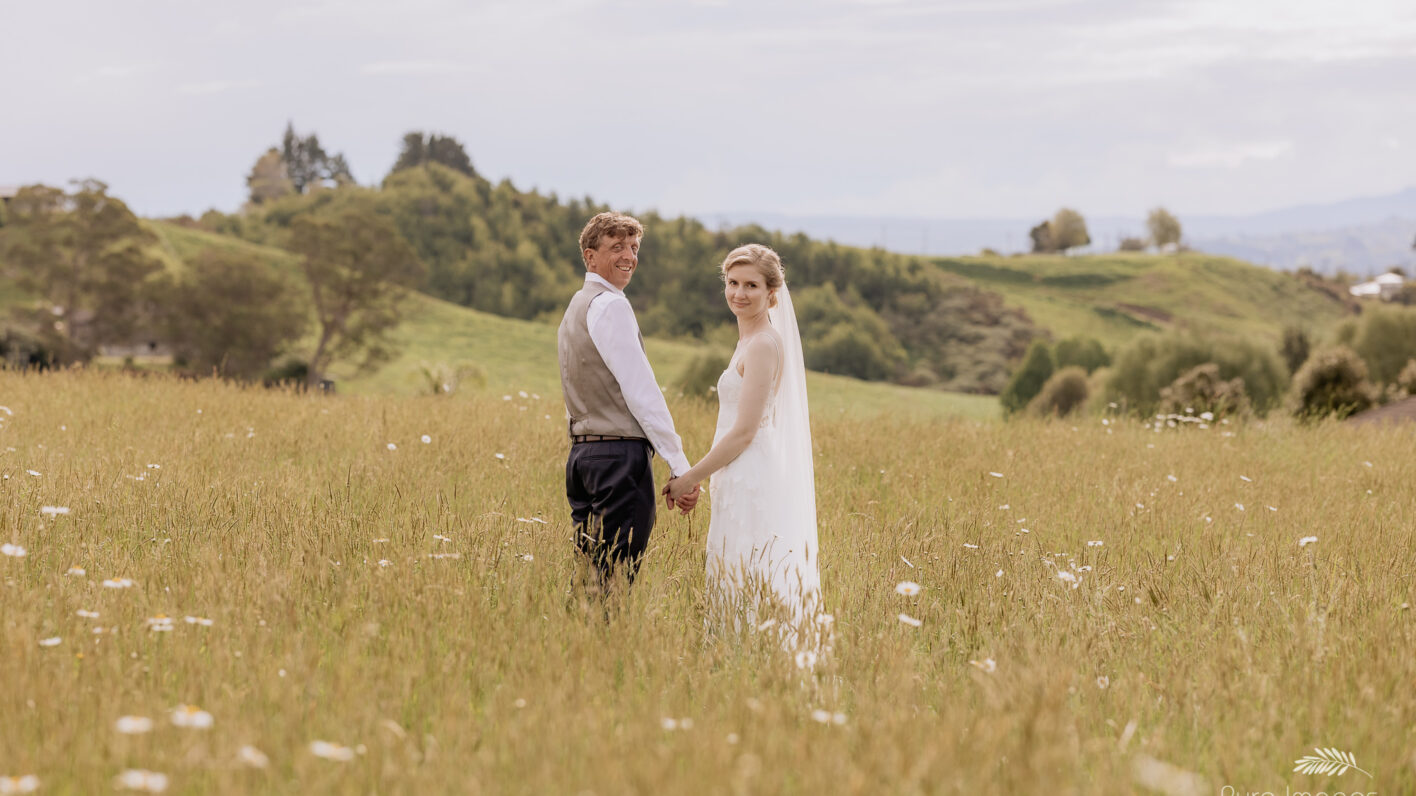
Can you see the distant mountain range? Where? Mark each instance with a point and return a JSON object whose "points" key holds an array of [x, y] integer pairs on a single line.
{"points": [[1362, 236]]}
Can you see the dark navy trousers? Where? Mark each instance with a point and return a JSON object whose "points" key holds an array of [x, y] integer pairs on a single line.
{"points": [[610, 485]]}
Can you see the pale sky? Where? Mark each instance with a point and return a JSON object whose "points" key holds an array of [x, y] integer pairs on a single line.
{"points": [[975, 108]]}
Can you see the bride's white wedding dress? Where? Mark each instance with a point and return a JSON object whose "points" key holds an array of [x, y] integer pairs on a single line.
{"points": [[762, 540]]}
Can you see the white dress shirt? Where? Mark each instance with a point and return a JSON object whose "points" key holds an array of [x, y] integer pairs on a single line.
{"points": [[615, 333]]}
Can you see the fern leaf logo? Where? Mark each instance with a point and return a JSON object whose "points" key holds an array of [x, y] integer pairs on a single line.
{"points": [[1328, 761]]}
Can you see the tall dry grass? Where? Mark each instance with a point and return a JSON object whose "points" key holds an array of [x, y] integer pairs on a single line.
{"points": [[1197, 634]]}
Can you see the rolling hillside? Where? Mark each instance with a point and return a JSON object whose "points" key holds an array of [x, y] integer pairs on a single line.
{"points": [[515, 355], [1113, 297]]}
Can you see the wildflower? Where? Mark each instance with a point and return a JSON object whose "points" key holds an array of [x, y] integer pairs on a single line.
{"points": [[1172, 479], [133, 725], [910, 620], [806, 659], [191, 716], [198, 620], [1064, 575], [825, 620], [733, 738], [118, 583], [442, 538], [996, 475], [160, 623], [331, 751], [506, 397], [444, 555], [1307, 540], [384, 562], [822, 716], [536, 520], [1102, 682], [50, 642], [1246, 478], [87, 614], [1272, 508], [1004, 507], [34, 473], [907, 588], [998, 574], [669, 723], [140, 779], [253, 757], [528, 557], [427, 440], [1207, 416], [154, 467], [392, 447], [53, 511], [12, 550], [1239, 506], [379, 541], [970, 546], [987, 665], [519, 703], [501, 456], [76, 571], [29, 783]]}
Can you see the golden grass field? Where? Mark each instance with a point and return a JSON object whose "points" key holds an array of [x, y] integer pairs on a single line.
{"points": [[409, 605]]}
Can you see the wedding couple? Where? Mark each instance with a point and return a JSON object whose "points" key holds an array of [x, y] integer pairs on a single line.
{"points": [[762, 530]]}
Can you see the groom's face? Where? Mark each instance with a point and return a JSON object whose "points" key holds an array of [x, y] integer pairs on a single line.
{"points": [[615, 259]]}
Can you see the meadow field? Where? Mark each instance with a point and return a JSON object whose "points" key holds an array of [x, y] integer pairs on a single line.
{"points": [[368, 594]]}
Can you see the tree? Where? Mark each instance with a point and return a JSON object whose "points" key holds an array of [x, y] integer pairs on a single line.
{"points": [[358, 269], [1029, 378], [307, 163], [1296, 347], [420, 148], [84, 257], [233, 313], [1069, 230], [1084, 352], [1164, 228], [269, 179], [1132, 244], [1041, 235]]}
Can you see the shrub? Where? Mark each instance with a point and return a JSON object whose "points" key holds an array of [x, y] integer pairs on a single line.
{"points": [[1084, 352], [1200, 389], [1132, 245], [1406, 382], [1065, 392], [1296, 347], [700, 378], [1333, 382], [1028, 379], [1385, 338], [1143, 368]]}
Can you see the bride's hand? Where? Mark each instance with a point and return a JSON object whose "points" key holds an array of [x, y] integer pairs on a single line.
{"points": [[677, 488]]}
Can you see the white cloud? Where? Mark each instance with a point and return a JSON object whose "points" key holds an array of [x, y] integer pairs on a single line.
{"points": [[412, 68], [1230, 156], [216, 86]]}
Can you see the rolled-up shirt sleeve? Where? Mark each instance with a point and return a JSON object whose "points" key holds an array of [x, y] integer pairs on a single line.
{"points": [[615, 333]]}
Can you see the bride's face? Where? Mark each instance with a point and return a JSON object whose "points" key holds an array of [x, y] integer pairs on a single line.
{"points": [[746, 291]]}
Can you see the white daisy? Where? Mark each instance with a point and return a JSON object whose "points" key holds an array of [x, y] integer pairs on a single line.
{"points": [[29, 783], [252, 757], [191, 716], [908, 588], [140, 779], [13, 550], [331, 751], [50, 642], [910, 620], [133, 725]]}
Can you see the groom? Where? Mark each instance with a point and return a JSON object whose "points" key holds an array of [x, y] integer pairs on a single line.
{"points": [[617, 414]]}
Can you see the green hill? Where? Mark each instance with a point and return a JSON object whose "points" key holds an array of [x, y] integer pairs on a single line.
{"points": [[1112, 297], [516, 355]]}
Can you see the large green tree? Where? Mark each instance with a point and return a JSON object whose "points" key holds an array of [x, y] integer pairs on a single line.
{"points": [[1164, 228], [420, 148], [232, 313], [307, 163], [359, 270], [83, 258]]}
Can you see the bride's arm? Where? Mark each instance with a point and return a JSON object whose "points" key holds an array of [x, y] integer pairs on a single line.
{"points": [[758, 370]]}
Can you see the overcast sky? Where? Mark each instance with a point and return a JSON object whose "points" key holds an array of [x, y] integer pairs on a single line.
{"points": [[975, 108]]}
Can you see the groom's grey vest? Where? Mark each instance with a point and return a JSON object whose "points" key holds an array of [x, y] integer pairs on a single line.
{"points": [[594, 401]]}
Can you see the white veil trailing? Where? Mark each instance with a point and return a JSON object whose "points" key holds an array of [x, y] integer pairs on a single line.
{"points": [[798, 495]]}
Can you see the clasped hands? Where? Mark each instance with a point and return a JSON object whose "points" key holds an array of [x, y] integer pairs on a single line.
{"points": [[678, 492]]}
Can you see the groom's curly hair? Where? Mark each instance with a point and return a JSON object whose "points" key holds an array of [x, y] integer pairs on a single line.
{"points": [[614, 225]]}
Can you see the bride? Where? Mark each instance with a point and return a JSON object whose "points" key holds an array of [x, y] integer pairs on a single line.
{"points": [[762, 548]]}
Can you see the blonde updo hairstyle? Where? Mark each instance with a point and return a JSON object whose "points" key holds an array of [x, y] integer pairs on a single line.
{"points": [[767, 263]]}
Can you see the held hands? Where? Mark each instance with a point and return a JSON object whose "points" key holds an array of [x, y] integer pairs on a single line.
{"points": [[682, 494]]}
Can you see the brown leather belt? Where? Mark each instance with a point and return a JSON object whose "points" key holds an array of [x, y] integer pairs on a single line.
{"points": [[579, 438]]}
